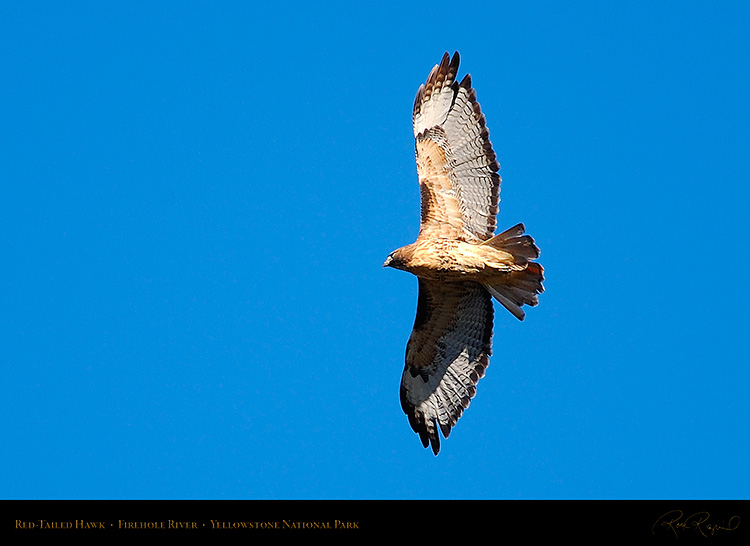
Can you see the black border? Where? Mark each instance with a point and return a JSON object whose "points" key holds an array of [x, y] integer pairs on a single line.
{"points": [[663, 520]]}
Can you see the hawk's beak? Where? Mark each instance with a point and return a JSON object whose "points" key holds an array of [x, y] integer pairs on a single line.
{"points": [[388, 261]]}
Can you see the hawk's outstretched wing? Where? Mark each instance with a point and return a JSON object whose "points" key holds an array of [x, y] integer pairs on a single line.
{"points": [[456, 165], [447, 354]]}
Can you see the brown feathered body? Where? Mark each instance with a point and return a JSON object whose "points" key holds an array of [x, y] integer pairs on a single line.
{"points": [[452, 260], [459, 261]]}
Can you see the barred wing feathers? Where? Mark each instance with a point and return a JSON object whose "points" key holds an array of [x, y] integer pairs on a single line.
{"points": [[446, 355], [457, 167]]}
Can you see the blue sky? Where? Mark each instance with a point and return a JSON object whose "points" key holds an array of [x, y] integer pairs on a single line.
{"points": [[197, 200]]}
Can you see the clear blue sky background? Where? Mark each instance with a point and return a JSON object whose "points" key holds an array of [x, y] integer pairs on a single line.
{"points": [[197, 199]]}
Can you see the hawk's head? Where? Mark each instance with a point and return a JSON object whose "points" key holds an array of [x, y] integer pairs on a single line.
{"points": [[395, 260]]}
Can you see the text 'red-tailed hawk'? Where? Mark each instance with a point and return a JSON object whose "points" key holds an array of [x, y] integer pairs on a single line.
{"points": [[460, 263]]}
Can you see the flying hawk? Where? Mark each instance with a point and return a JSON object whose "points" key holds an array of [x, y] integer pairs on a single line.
{"points": [[460, 263]]}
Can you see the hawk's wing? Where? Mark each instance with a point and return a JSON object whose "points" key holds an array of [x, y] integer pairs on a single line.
{"points": [[447, 354], [456, 165]]}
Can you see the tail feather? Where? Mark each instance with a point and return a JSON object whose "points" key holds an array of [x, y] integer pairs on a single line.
{"points": [[497, 293], [510, 233], [514, 241], [518, 287]]}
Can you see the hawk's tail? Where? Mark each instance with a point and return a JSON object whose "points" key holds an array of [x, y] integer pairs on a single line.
{"points": [[520, 286]]}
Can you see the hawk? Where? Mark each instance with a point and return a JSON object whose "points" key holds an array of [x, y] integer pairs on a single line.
{"points": [[459, 261]]}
